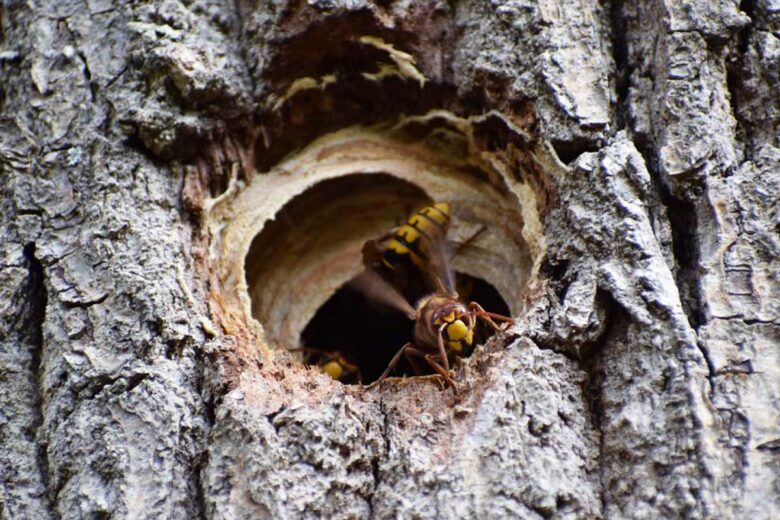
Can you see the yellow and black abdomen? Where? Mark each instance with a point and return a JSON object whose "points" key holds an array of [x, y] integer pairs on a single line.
{"points": [[410, 246]]}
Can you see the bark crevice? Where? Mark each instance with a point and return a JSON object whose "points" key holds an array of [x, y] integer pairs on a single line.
{"points": [[735, 76], [685, 248], [378, 458], [36, 292], [592, 365], [622, 65], [122, 397]]}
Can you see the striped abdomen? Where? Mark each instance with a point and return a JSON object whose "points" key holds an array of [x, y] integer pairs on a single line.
{"points": [[412, 241]]}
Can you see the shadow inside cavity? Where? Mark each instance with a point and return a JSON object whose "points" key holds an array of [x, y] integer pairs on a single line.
{"points": [[370, 334]]}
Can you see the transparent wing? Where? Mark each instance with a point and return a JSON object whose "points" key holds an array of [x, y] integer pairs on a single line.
{"points": [[376, 289], [440, 262], [439, 268]]}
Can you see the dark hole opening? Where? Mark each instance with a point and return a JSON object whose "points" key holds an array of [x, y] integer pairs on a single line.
{"points": [[369, 335]]}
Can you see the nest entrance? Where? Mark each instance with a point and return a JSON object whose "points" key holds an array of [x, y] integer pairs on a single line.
{"points": [[290, 240], [370, 334], [312, 247]]}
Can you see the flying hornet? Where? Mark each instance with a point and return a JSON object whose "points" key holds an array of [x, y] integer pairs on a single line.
{"points": [[414, 260]]}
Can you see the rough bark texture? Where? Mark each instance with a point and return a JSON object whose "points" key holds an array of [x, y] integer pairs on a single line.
{"points": [[640, 380]]}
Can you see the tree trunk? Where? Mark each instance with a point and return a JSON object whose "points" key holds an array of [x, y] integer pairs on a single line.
{"points": [[624, 159]]}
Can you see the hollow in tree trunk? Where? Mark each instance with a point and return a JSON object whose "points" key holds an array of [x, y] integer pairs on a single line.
{"points": [[186, 185]]}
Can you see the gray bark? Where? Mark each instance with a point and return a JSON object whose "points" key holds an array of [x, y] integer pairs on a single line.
{"points": [[640, 379]]}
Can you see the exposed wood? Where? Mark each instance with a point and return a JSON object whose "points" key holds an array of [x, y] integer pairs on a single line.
{"points": [[631, 151]]}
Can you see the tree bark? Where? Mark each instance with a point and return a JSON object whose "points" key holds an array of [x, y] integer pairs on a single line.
{"points": [[640, 378]]}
